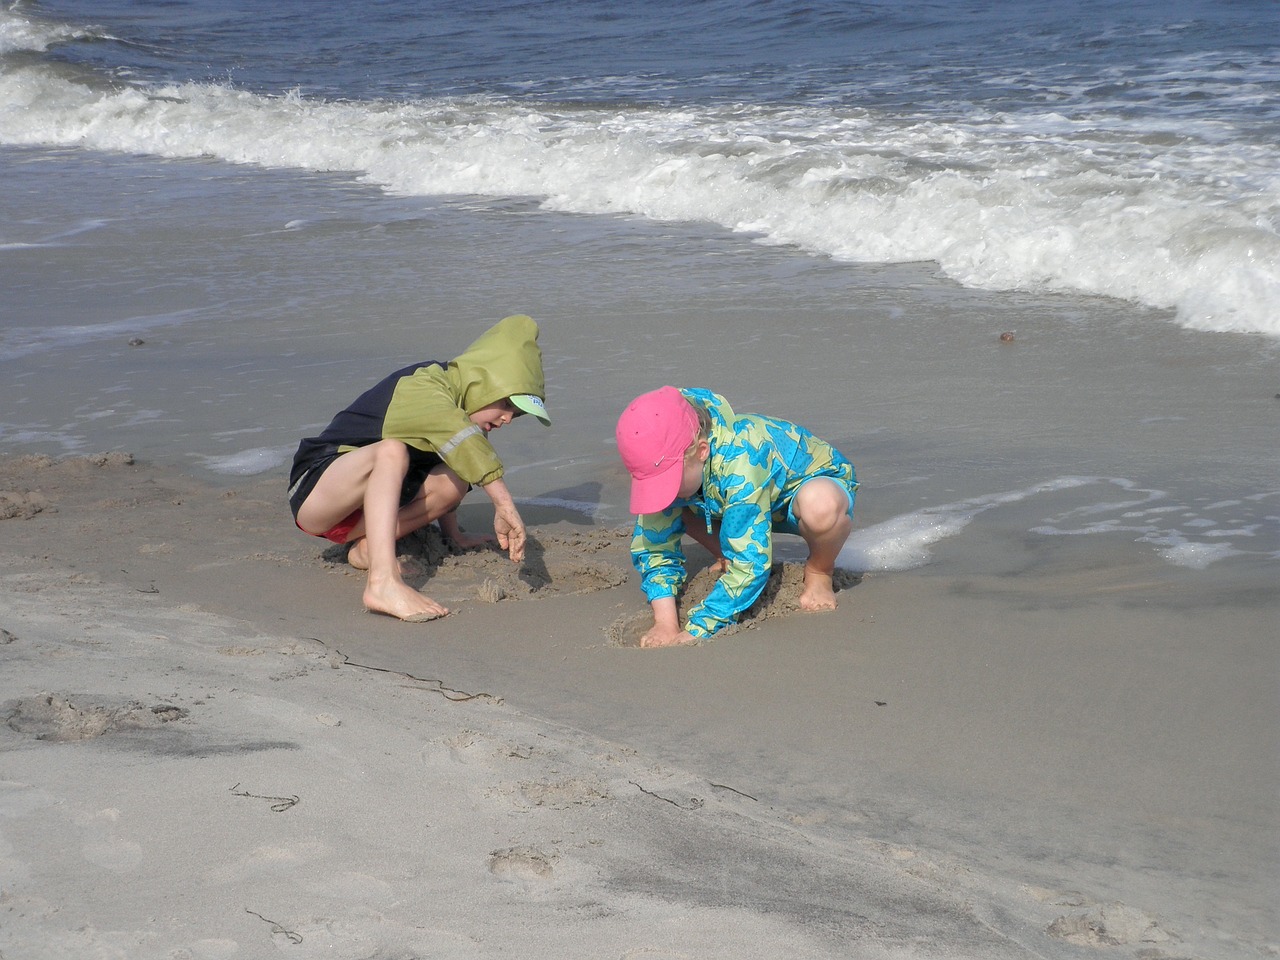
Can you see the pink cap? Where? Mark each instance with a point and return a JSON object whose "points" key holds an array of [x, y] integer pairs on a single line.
{"points": [[653, 434]]}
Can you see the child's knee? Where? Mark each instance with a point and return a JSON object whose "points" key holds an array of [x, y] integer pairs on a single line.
{"points": [[447, 487], [391, 455], [822, 506]]}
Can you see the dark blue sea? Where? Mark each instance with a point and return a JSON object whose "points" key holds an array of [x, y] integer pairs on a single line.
{"points": [[1120, 148]]}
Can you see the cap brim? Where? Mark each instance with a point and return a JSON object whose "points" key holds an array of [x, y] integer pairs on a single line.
{"points": [[528, 403], [654, 494]]}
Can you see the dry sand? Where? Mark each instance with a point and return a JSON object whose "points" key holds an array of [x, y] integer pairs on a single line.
{"points": [[210, 751]]}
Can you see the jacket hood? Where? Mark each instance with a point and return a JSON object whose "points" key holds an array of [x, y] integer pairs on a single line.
{"points": [[505, 360]]}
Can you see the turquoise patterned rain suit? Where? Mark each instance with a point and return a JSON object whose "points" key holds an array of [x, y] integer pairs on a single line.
{"points": [[755, 467]]}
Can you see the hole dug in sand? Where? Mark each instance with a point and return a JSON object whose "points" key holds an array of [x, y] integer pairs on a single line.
{"points": [[49, 716], [780, 597]]}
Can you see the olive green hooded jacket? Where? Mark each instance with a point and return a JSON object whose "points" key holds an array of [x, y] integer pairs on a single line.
{"points": [[427, 406]]}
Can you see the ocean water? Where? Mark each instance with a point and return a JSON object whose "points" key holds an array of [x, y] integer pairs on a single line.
{"points": [[220, 221], [1122, 149]]}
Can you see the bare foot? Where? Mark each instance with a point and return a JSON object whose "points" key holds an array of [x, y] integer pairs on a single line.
{"points": [[398, 599], [818, 592], [469, 541], [358, 556]]}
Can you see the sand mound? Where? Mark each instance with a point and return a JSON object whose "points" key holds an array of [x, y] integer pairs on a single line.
{"points": [[60, 718], [554, 566]]}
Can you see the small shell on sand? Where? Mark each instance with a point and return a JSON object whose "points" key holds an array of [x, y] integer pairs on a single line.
{"points": [[1006, 337]]}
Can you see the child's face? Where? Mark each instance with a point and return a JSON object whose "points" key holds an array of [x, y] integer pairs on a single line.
{"points": [[691, 479], [494, 416]]}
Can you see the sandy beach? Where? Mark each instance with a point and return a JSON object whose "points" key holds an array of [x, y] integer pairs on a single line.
{"points": [[1017, 263], [210, 751]]}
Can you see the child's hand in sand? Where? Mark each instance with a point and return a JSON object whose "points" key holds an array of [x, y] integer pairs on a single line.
{"points": [[507, 525], [661, 635], [509, 529]]}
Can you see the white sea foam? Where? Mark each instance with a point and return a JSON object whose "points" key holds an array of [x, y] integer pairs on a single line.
{"points": [[1184, 220], [1180, 533], [247, 463], [18, 33], [1196, 556], [18, 434], [903, 543]]}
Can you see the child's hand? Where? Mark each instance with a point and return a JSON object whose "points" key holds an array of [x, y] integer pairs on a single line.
{"points": [[507, 525], [509, 529], [661, 635]]}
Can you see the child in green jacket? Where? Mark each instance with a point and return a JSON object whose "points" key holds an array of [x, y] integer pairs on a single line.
{"points": [[406, 452]]}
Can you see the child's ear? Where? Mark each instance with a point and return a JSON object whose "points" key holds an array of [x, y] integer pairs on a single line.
{"points": [[704, 450]]}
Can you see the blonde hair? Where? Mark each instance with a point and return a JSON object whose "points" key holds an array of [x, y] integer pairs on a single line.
{"points": [[704, 427]]}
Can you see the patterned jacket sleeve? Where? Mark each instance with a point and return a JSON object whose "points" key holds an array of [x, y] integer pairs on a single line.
{"points": [[746, 537], [657, 555]]}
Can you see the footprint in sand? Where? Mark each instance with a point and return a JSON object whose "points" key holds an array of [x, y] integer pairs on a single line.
{"points": [[563, 794], [469, 746], [105, 847], [1108, 925], [521, 864], [61, 719]]}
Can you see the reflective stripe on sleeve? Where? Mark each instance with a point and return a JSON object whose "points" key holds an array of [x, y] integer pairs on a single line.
{"points": [[453, 442]]}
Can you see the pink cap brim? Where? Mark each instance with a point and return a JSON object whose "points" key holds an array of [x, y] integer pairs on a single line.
{"points": [[654, 494]]}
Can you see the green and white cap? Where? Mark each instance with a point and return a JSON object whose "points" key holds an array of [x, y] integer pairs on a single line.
{"points": [[528, 403]]}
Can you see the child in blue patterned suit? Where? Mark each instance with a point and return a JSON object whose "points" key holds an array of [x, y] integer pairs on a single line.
{"points": [[729, 481]]}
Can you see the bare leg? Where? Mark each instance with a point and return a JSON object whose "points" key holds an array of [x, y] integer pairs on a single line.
{"points": [[441, 486], [821, 510], [371, 478]]}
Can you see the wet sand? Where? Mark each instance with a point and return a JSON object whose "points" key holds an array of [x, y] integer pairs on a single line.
{"points": [[209, 747]]}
